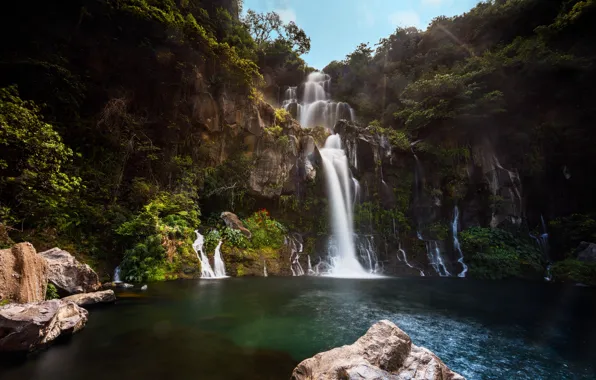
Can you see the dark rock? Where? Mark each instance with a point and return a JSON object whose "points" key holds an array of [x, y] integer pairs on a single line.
{"points": [[87, 299], [231, 220], [586, 252], [68, 274], [34, 325], [23, 274], [384, 352]]}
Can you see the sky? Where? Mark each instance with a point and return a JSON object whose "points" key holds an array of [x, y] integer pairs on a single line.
{"points": [[337, 27]]}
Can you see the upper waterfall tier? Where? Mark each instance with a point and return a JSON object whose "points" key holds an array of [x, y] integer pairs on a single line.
{"points": [[315, 108]]}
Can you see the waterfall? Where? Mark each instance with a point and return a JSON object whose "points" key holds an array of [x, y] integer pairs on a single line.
{"points": [[310, 270], [339, 192], [542, 241], [436, 259], [206, 271], [265, 269], [294, 242], [117, 275], [220, 267], [316, 109], [456, 246], [405, 260]]}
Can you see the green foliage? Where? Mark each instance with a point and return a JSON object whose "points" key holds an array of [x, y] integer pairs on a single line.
{"points": [[4, 302], [496, 254], [51, 292], [235, 238], [266, 232], [372, 216], [268, 28], [576, 271], [282, 116], [567, 232], [274, 131], [33, 180], [156, 238]]}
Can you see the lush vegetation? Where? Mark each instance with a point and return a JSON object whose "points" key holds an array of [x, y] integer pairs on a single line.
{"points": [[496, 253]]}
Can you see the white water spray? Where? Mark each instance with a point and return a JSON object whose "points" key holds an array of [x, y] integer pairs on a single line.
{"points": [[456, 245], [117, 275]]}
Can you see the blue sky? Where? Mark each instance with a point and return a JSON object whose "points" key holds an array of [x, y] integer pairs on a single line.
{"points": [[336, 27]]}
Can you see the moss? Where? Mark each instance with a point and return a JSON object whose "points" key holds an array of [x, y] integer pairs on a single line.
{"points": [[240, 270], [4, 302], [572, 270]]}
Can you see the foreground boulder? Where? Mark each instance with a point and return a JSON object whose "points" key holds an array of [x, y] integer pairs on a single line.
{"points": [[23, 274], [88, 299], [68, 274], [231, 220], [30, 326], [384, 352]]}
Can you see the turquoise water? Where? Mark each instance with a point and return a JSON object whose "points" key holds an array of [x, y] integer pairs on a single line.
{"points": [[260, 328]]}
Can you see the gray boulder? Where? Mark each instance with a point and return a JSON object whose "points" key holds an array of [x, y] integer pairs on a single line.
{"points": [[68, 274], [384, 352], [30, 326], [586, 252], [88, 299]]}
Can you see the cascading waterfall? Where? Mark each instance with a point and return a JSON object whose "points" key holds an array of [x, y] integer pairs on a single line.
{"points": [[310, 272], [316, 109], [117, 275], [206, 270], [344, 262], [265, 269], [456, 245]]}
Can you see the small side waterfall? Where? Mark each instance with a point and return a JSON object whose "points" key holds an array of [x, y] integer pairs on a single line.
{"points": [[340, 194], [265, 269], [294, 242], [456, 245], [316, 109], [116, 278], [310, 272], [220, 267], [206, 270], [405, 260], [542, 241], [436, 258]]}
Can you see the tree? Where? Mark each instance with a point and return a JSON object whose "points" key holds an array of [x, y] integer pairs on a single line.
{"points": [[268, 28]]}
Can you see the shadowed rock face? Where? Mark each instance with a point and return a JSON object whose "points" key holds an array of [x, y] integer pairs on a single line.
{"points": [[384, 352], [23, 274], [34, 325], [69, 275]]}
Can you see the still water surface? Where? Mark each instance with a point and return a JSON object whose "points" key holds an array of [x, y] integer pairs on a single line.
{"points": [[260, 328]]}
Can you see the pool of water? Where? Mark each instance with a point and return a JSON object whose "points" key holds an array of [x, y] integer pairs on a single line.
{"points": [[260, 328]]}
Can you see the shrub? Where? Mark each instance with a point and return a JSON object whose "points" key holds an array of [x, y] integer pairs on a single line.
{"points": [[51, 292], [266, 232], [572, 270], [495, 254], [154, 239]]}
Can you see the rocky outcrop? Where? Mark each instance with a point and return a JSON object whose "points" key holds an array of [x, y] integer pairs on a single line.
{"points": [[384, 352], [30, 326], [23, 274], [231, 220], [88, 299], [68, 274], [586, 252]]}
